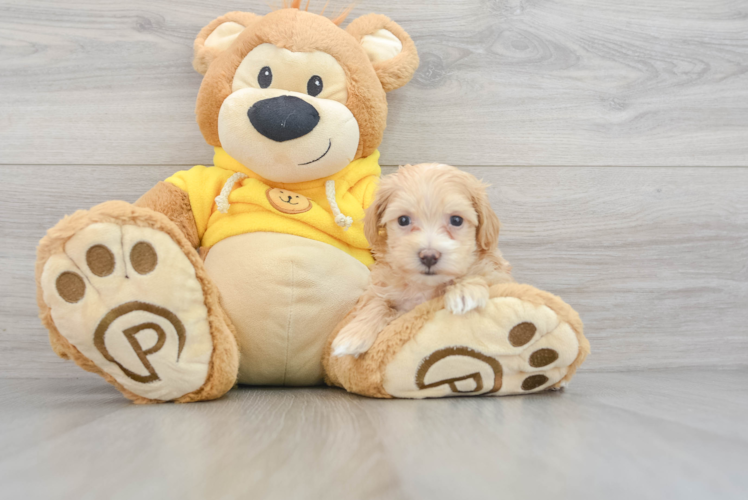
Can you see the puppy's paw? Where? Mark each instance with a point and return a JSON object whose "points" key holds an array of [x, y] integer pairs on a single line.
{"points": [[352, 341], [463, 298]]}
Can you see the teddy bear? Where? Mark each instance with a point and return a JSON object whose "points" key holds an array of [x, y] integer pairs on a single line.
{"points": [[243, 272]]}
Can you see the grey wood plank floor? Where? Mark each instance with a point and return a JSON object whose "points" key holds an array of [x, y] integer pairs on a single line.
{"points": [[501, 82], [677, 433]]}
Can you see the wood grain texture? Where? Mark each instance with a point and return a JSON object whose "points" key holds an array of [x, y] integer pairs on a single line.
{"points": [[648, 435], [653, 259], [96, 103], [502, 82]]}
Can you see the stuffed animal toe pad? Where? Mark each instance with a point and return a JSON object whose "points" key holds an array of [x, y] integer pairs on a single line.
{"points": [[124, 298], [524, 340]]}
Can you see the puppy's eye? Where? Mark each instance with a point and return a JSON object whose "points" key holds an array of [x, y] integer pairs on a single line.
{"points": [[455, 220], [314, 86], [265, 78], [403, 220]]}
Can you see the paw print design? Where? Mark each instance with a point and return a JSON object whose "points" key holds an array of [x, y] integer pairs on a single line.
{"points": [[512, 346], [128, 298]]}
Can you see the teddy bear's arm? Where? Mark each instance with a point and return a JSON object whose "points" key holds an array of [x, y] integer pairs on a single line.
{"points": [[175, 204]]}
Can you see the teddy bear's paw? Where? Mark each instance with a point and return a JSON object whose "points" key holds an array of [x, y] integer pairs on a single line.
{"points": [[509, 347], [128, 298]]}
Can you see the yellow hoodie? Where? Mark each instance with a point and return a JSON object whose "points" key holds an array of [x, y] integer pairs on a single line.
{"points": [[330, 210]]}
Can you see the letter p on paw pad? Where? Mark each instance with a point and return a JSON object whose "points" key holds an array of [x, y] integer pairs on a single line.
{"points": [[128, 299]]}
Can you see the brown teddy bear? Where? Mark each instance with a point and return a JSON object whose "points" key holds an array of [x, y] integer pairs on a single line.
{"points": [[240, 272]]}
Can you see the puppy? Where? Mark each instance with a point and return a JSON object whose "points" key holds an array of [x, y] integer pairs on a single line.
{"points": [[432, 233]]}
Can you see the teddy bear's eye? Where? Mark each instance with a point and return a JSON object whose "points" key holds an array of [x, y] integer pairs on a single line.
{"points": [[265, 78], [314, 86]]}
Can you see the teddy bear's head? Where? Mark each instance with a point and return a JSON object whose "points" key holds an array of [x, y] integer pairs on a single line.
{"points": [[293, 96]]}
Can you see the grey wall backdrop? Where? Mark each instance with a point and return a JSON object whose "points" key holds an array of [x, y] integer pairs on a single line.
{"points": [[615, 135]]}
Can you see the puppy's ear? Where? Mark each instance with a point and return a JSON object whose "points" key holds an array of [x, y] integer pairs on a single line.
{"points": [[217, 36], [371, 225], [488, 222], [374, 231], [390, 49]]}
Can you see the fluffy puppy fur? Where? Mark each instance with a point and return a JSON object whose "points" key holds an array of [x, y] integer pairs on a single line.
{"points": [[432, 233]]}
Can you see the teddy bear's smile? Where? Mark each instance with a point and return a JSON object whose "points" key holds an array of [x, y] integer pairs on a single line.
{"points": [[323, 155]]}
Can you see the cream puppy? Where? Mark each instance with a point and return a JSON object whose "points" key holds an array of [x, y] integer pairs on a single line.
{"points": [[432, 233]]}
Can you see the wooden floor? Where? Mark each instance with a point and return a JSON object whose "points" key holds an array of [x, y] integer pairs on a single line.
{"points": [[649, 435], [615, 137]]}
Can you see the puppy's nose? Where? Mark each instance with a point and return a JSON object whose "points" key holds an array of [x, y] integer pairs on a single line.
{"points": [[429, 257], [283, 118]]}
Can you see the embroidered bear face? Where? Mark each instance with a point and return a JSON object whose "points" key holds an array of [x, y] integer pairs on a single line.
{"points": [[288, 202], [294, 97]]}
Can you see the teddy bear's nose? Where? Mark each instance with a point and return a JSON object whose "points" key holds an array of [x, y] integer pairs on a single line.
{"points": [[283, 118]]}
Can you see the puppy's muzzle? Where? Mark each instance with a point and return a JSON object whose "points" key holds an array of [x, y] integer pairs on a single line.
{"points": [[283, 118], [429, 257]]}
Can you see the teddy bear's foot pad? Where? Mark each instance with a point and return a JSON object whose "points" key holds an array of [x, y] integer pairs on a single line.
{"points": [[128, 298], [510, 347]]}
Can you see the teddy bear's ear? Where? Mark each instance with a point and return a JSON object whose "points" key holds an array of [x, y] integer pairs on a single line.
{"points": [[390, 49], [217, 36]]}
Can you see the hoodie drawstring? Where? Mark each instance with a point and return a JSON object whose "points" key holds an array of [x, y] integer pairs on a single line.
{"points": [[222, 200], [342, 220]]}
